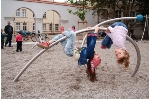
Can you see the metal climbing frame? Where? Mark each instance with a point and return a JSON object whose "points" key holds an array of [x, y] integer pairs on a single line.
{"points": [[81, 31]]}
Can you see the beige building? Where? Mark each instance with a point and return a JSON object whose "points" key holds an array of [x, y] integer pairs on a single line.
{"points": [[24, 20]]}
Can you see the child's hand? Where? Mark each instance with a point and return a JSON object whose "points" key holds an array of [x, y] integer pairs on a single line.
{"points": [[97, 28], [102, 27]]}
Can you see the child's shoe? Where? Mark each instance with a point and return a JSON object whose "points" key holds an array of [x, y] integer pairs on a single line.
{"points": [[103, 47], [43, 45]]}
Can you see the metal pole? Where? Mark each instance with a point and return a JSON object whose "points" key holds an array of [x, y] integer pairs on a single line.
{"points": [[144, 27], [77, 32]]}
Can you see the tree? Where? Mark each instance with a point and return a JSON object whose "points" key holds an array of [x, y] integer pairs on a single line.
{"points": [[80, 8], [125, 6], [98, 6]]}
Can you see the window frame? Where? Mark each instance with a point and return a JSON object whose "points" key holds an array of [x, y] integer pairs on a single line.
{"points": [[44, 27], [56, 27], [50, 27], [23, 12], [24, 26], [18, 26], [118, 14], [17, 12]]}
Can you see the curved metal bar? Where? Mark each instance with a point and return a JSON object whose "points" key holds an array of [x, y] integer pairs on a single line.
{"points": [[63, 38], [35, 57], [83, 40], [138, 56]]}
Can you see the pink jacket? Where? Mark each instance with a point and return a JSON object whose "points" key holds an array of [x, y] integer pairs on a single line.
{"points": [[120, 38], [18, 38]]}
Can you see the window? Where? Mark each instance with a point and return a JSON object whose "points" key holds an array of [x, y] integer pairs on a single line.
{"points": [[132, 14], [23, 12], [17, 26], [33, 26], [44, 16], [24, 26], [18, 12], [118, 14], [56, 27], [50, 27], [44, 26], [33, 15]]}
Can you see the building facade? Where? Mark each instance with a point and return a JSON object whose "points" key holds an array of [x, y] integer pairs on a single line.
{"points": [[47, 16], [36, 15]]}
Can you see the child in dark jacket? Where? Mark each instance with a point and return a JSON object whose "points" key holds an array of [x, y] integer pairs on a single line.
{"points": [[19, 42]]}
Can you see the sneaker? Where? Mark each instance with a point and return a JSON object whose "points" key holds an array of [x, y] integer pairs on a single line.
{"points": [[43, 45], [103, 47]]}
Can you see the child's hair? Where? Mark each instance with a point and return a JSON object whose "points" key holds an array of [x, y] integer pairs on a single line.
{"points": [[91, 72], [73, 27], [124, 60]]}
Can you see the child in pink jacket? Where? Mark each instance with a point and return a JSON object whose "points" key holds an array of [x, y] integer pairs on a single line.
{"points": [[19, 42]]}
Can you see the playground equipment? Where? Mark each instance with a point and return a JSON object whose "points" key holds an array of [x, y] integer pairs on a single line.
{"points": [[146, 25], [139, 18]]}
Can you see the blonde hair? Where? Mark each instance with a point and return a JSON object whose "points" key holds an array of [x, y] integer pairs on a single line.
{"points": [[124, 60]]}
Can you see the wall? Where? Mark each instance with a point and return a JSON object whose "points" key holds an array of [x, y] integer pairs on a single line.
{"points": [[8, 8]]}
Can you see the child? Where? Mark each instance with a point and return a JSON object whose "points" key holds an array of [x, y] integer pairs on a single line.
{"points": [[61, 29], [2, 39], [86, 53], [73, 28], [19, 42], [89, 53], [116, 34], [68, 44]]}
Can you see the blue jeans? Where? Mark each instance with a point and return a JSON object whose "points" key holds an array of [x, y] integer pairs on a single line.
{"points": [[69, 43], [119, 24], [87, 52]]}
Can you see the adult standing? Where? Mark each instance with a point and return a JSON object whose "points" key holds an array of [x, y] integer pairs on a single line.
{"points": [[9, 31]]}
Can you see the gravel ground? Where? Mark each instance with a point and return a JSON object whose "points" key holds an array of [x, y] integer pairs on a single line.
{"points": [[54, 75]]}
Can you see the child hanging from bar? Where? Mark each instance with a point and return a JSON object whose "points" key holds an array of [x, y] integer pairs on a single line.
{"points": [[89, 57], [116, 35], [87, 53]]}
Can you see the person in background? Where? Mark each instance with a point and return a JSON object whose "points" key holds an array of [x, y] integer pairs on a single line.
{"points": [[19, 42], [9, 31], [2, 39]]}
